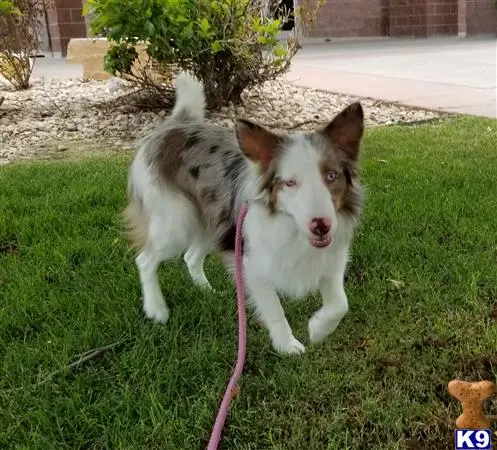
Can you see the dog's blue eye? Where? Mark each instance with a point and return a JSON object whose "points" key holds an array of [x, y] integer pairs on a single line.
{"points": [[331, 176]]}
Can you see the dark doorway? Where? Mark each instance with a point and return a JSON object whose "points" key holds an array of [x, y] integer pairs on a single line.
{"points": [[286, 8]]}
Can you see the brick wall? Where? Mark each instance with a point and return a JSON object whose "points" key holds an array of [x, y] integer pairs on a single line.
{"points": [[481, 17], [413, 18], [346, 18], [442, 18], [408, 18], [339, 18], [422, 18], [66, 22]]}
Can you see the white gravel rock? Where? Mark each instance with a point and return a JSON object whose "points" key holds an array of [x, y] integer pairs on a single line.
{"points": [[53, 112], [115, 84]]}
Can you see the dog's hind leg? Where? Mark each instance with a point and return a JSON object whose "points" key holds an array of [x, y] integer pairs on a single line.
{"points": [[195, 257], [167, 239], [154, 305]]}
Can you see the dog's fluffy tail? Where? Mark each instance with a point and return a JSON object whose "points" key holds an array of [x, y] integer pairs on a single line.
{"points": [[135, 222], [190, 98]]}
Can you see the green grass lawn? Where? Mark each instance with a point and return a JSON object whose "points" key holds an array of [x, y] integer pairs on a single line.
{"points": [[68, 284]]}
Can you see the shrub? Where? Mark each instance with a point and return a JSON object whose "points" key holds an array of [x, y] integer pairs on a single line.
{"points": [[20, 22], [229, 44], [8, 7]]}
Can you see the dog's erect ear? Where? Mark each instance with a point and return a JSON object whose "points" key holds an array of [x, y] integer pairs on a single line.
{"points": [[346, 130], [258, 144]]}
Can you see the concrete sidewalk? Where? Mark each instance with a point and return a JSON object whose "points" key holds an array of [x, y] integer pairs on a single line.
{"points": [[450, 74], [56, 68]]}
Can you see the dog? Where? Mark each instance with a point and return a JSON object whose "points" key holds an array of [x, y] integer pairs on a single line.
{"points": [[189, 180]]}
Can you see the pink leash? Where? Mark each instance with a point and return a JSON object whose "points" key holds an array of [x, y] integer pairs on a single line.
{"points": [[232, 390]]}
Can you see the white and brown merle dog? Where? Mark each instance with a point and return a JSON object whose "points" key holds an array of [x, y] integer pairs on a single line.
{"points": [[190, 178]]}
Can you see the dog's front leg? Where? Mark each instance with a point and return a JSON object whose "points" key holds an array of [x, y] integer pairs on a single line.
{"points": [[269, 309], [335, 306]]}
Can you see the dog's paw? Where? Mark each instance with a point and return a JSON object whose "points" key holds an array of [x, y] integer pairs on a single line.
{"points": [[319, 329], [157, 312], [290, 346], [204, 284]]}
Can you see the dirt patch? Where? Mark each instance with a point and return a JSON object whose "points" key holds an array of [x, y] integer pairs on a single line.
{"points": [[438, 434], [432, 343], [69, 149], [383, 364], [480, 368], [493, 313], [74, 149], [9, 249]]}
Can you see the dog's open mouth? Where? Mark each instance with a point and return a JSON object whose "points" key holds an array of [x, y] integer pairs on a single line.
{"points": [[320, 241]]}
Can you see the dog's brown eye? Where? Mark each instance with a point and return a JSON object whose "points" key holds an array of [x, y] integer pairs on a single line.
{"points": [[331, 176], [291, 183]]}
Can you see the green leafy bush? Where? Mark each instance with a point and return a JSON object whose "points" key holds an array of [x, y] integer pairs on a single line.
{"points": [[8, 7], [229, 44]]}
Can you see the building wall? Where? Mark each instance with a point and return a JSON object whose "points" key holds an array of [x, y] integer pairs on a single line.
{"points": [[348, 18], [481, 17], [410, 18], [442, 18], [66, 22], [338, 18]]}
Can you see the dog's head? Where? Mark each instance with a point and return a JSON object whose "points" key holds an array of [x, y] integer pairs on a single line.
{"points": [[310, 177]]}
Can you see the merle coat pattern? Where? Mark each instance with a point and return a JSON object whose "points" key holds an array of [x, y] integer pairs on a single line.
{"points": [[190, 178]]}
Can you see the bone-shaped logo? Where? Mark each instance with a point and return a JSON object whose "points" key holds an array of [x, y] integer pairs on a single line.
{"points": [[472, 395]]}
